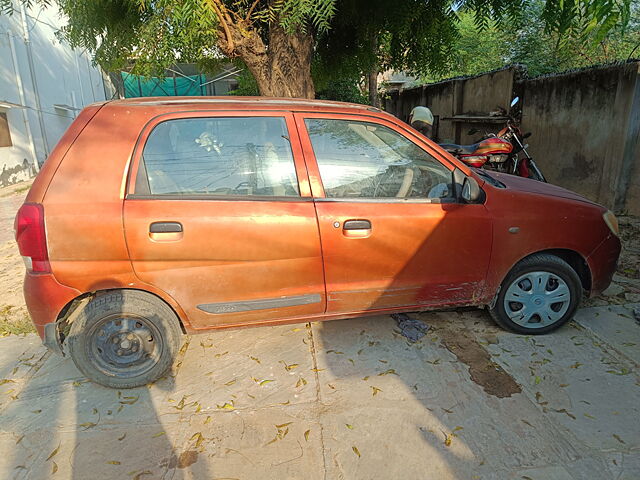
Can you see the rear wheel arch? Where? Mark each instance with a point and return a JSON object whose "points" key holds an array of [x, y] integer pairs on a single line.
{"points": [[73, 308]]}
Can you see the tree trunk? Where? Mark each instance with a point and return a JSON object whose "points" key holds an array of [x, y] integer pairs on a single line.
{"points": [[372, 79], [372, 82], [281, 69]]}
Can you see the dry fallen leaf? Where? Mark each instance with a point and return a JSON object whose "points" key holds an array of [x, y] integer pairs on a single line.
{"points": [[113, 462], [208, 420], [6, 380], [159, 434], [198, 438], [306, 435], [54, 453], [618, 438], [87, 425], [290, 367], [375, 390], [129, 400], [255, 359], [138, 476], [564, 410], [356, 451], [350, 427], [391, 371], [54, 468], [264, 382]]}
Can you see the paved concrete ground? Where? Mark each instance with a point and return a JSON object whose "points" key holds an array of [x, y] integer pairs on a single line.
{"points": [[345, 399]]}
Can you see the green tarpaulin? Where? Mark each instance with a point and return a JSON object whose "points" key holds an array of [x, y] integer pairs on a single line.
{"points": [[138, 86]]}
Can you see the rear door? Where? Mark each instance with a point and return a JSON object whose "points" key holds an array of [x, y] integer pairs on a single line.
{"points": [[392, 232], [219, 216]]}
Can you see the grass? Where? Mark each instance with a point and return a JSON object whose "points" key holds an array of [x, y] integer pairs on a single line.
{"points": [[13, 324], [10, 191]]}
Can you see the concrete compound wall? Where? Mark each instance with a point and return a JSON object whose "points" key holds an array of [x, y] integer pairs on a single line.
{"points": [[39, 78], [585, 125]]}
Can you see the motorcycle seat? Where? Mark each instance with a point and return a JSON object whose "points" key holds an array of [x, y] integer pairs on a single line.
{"points": [[460, 149]]}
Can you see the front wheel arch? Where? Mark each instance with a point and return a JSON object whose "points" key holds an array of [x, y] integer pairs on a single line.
{"points": [[533, 264], [573, 258]]}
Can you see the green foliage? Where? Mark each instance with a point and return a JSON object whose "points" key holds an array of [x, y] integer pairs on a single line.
{"points": [[294, 14], [528, 42], [431, 38], [343, 90], [247, 85], [148, 36]]}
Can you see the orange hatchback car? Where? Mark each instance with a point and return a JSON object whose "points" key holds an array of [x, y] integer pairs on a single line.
{"points": [[155, 217]]}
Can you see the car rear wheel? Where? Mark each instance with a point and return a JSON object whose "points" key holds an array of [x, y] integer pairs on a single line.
{"points": [[124, 339], [540, 294]]}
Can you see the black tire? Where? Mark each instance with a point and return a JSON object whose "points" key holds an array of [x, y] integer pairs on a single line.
{"points": [[539, 263], [124, 339]]}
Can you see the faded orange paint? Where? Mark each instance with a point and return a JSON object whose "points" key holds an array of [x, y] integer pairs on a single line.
{"points": [[415, 256]]}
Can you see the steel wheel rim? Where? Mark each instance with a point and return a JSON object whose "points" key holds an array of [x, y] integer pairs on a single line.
{"points": [[124, 346], [537, 299]]}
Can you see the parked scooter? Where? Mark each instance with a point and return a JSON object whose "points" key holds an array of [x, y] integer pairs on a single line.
{"points": [[503, 152]]}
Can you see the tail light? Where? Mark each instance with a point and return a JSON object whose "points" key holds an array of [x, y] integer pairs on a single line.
{"points": [[31, 237]]}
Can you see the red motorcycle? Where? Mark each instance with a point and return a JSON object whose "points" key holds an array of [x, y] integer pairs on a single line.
{"points": [[503, 152]]}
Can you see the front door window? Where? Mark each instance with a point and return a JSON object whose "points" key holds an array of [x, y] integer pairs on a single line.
{"points": [[366, 160]]}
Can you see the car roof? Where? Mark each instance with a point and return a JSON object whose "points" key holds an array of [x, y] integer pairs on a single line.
{"points": [[245, 103]]}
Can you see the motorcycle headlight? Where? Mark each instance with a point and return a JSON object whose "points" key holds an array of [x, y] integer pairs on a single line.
{"points": [[612, 222]]}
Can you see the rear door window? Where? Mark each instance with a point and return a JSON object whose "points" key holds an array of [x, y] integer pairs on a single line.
{"points": [[218, 156], [367, 160]]}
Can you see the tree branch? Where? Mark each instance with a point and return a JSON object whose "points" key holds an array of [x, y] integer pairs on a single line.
{"points": [[224, 21], [248, 17]]}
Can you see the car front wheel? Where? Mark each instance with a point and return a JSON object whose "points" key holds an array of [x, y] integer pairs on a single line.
{"points": [[540, 294]]}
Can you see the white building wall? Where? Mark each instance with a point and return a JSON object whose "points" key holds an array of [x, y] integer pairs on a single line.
{"points": [[38, 72]]}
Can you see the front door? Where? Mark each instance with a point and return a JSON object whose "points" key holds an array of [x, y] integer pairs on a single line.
{"points": [[220, 217], [392, 232]]}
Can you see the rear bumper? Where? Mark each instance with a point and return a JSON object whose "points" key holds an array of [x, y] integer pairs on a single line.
{"points": [[602, 263], [45, 298]]}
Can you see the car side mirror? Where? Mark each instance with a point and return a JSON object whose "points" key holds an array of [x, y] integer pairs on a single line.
{"points": [[470, 190]]}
